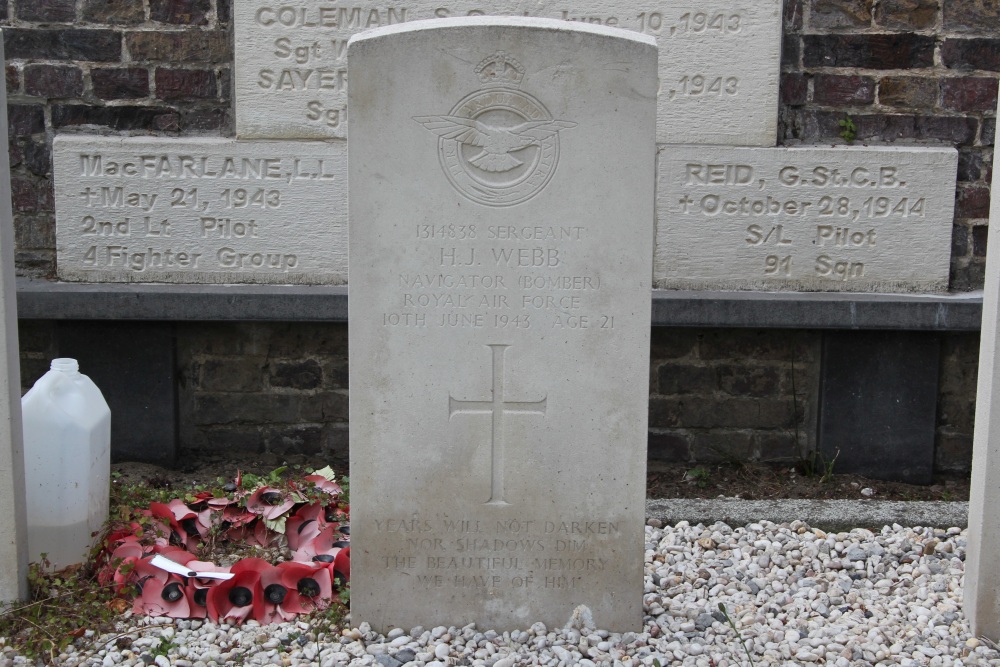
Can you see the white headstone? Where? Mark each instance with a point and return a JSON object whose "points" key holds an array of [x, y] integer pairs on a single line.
{"points": [[13, 524], [501, 204], [719, 61], [150, 209], [982, 576], [854, 219]]}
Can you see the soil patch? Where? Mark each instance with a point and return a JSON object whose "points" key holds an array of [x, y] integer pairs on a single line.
{"points": [[750, 481]]}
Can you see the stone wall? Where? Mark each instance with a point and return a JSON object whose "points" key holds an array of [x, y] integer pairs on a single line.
{"points": [[913, 71]]}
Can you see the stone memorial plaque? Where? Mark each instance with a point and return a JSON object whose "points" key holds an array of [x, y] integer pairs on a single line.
{"points": [[190, 210], [854, 219], [719, 61], [501, 207]]}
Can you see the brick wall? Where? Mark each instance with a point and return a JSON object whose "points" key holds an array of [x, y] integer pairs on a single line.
{"points": [[733, 394], [908, 71], [158, 66], [280, 388], [902, 70]]}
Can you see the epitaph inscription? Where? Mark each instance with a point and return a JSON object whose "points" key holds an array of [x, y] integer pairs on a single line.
{"points": [[719, 62], [859, 219], [200, 210], [494, 347]]}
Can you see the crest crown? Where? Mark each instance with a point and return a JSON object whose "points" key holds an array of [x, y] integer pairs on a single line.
{"points": [[500, 69]]}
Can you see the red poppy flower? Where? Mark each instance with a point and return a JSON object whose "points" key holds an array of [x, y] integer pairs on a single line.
{"points": [[255, 534], [235, 516], [123, 575], [342, 566], [200, 498], [163, 598], [121, 566], [219, 502], [309, 586], [271, 605], [232, 601], [302, 527], [165, 526], [326, 542], [323, 484], [269, 502]]}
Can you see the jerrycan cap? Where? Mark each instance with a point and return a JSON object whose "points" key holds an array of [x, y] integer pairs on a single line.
{"points": [[65, 365]]}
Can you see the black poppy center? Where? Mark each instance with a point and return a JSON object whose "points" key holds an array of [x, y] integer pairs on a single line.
{"points": [[172, 592], [306, 523], [275, 593], [323, 558], [308, 588], [272, 497], [201, 596], [190, 526], [240, 596]]}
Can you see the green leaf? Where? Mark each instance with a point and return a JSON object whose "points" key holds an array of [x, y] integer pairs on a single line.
{"points": [[277, 525], [328, 473]]}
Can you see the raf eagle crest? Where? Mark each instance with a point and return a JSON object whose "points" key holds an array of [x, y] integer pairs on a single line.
{"points": [[498, 146], [497, 143]]}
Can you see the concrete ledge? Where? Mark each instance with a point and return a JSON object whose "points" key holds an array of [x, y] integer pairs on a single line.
{"points": [[51, 300], [45, 300], [819, 310], [830, 515]]}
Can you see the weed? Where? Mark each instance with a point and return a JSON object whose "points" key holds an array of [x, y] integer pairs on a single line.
{"points": [[817, 466], [849, 130], [699, 475], [61, 606], [164, 647], [732, 624]]}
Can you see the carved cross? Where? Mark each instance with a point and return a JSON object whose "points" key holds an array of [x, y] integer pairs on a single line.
{"points": [[497, 407]]}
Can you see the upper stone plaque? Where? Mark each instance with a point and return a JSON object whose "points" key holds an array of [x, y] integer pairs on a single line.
{"points": [[719, 61], [501, 210]]}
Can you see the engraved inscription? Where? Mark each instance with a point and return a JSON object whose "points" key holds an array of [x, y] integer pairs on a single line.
{"points": [[199, 211], [497, 408], [458, 297], [502, 554], [862, 219], [291, 64]]}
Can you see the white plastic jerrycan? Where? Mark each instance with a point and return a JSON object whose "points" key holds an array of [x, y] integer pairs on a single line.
{"points": [[67, 463]]}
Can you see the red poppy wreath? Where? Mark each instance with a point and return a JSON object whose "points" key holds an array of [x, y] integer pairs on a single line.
{"points": [[154, 556]]}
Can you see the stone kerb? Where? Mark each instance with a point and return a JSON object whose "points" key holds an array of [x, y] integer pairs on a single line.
{"points": [[982, 577], [516, 471]]}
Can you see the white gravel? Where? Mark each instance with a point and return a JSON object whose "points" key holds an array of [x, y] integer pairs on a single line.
{"points": [[797, 596]]}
